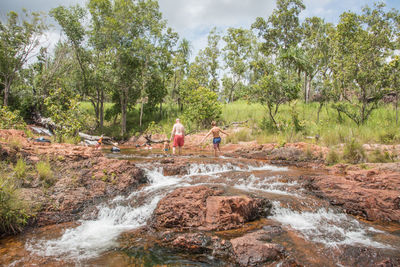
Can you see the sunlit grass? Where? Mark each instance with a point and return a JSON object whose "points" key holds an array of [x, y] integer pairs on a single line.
{"points": [[330, 129]]}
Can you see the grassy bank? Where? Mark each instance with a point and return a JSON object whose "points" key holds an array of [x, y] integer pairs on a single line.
{"points": [[331, 127]]}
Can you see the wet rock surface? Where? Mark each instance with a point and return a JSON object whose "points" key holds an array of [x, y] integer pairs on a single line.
{"points": [[205, 208], [81, 177], [362, 256], [253, 250], [371, 194]]}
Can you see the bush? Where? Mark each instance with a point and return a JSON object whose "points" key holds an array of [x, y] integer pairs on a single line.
{"points": [[45, 173], [332, 157], [13, 215], [20, 169], [11, 119], [242, 135], [202, 106], [378, 156], [353, 152]]}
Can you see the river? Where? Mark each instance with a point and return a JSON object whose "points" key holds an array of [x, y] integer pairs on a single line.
{"points": [[316, 233]]}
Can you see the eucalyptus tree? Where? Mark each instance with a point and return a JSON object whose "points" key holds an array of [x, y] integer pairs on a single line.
{"points": [[206, 65], [315, 44], [360, 47], [18, 41], [279, 77], [132, 32], [282, 29], [180, 62], [239, 46]]}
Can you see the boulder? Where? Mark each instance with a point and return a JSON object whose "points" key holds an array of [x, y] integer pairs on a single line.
{"points": [[228, 212], [173, 170], [252, 250], [203, 208]]}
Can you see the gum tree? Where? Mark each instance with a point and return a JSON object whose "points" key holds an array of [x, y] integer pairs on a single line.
{"points": [[18, 41], [360, 46]]}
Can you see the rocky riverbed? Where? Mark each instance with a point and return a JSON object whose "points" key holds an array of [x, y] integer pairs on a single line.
{"points": [[258, 205]]}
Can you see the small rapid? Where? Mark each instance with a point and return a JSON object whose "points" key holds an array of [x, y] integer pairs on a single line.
{"points": [[313, 221]]}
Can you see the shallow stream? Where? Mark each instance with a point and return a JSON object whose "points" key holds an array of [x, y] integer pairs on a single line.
{"points": [[316, 234]]}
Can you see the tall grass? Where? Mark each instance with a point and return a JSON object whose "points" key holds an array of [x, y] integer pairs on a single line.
{"points": [[330, 129], [380, 127], [13, 211]]}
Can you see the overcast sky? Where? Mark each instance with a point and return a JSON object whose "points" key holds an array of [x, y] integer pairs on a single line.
{"points": [[193, 19]]}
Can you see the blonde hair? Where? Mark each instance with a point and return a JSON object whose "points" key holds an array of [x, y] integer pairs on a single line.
{"points": [[213, 123]]}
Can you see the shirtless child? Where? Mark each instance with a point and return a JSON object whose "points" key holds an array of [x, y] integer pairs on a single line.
{"points": [[178, 135], [216, 138]]}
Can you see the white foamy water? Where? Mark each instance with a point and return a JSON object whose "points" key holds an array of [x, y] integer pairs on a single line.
{"points": [[210, 169], [93, 237], [269, 185], [327, 227]]}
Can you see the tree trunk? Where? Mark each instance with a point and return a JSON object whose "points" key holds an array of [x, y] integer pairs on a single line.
{"points": [[396, 107], [305, 89], [124, 101], [272, 117], [141, 114], [6, 93], [161, 111], [101, 109]]}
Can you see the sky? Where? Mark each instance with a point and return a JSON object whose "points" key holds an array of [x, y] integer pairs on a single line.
{"points": [[193, 19]]}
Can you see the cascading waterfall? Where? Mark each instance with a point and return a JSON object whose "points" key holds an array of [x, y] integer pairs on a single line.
{"points": [[93, 237]]}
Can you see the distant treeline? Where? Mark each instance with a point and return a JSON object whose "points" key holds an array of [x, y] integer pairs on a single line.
{"points": [[122, 51]]}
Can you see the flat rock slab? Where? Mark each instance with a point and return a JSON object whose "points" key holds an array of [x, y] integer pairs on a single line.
{"points": [[203, 208]]}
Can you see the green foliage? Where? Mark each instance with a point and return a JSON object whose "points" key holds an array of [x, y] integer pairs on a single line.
{"points": [[353, 152], [20, 169], [45, 173], [13, 214], [63, 108], [19, 37], [202, 106], [153, 128], [332, 157], [379, 156], [11, 119], [243, 135]]}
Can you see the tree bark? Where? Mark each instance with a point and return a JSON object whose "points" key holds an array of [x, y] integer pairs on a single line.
{"points": [[6, 93], [141, 114], [102, 109], [124, 101]]}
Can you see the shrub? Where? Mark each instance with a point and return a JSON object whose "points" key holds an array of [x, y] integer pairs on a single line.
{"points": [[11, 119], [389, 137], [378, 156], [242, 135], [13, 215], [20, 169], [45, 173], [353, 152], [332, 157], [15, 144], [202, 106]]}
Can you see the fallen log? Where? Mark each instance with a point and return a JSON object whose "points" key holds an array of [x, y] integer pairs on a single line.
{"points": [[149, 140], [93, 138]]}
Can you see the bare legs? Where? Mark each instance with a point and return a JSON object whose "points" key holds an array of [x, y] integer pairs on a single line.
{"points": [[179, 150], [215, 151]]}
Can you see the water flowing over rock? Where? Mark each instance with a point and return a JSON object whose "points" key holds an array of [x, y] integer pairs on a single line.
{"points": [[371, 194], [204, 208]]}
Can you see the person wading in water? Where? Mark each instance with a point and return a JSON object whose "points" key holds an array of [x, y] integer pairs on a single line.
{"points": [[178, 135], [216, 138]]}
